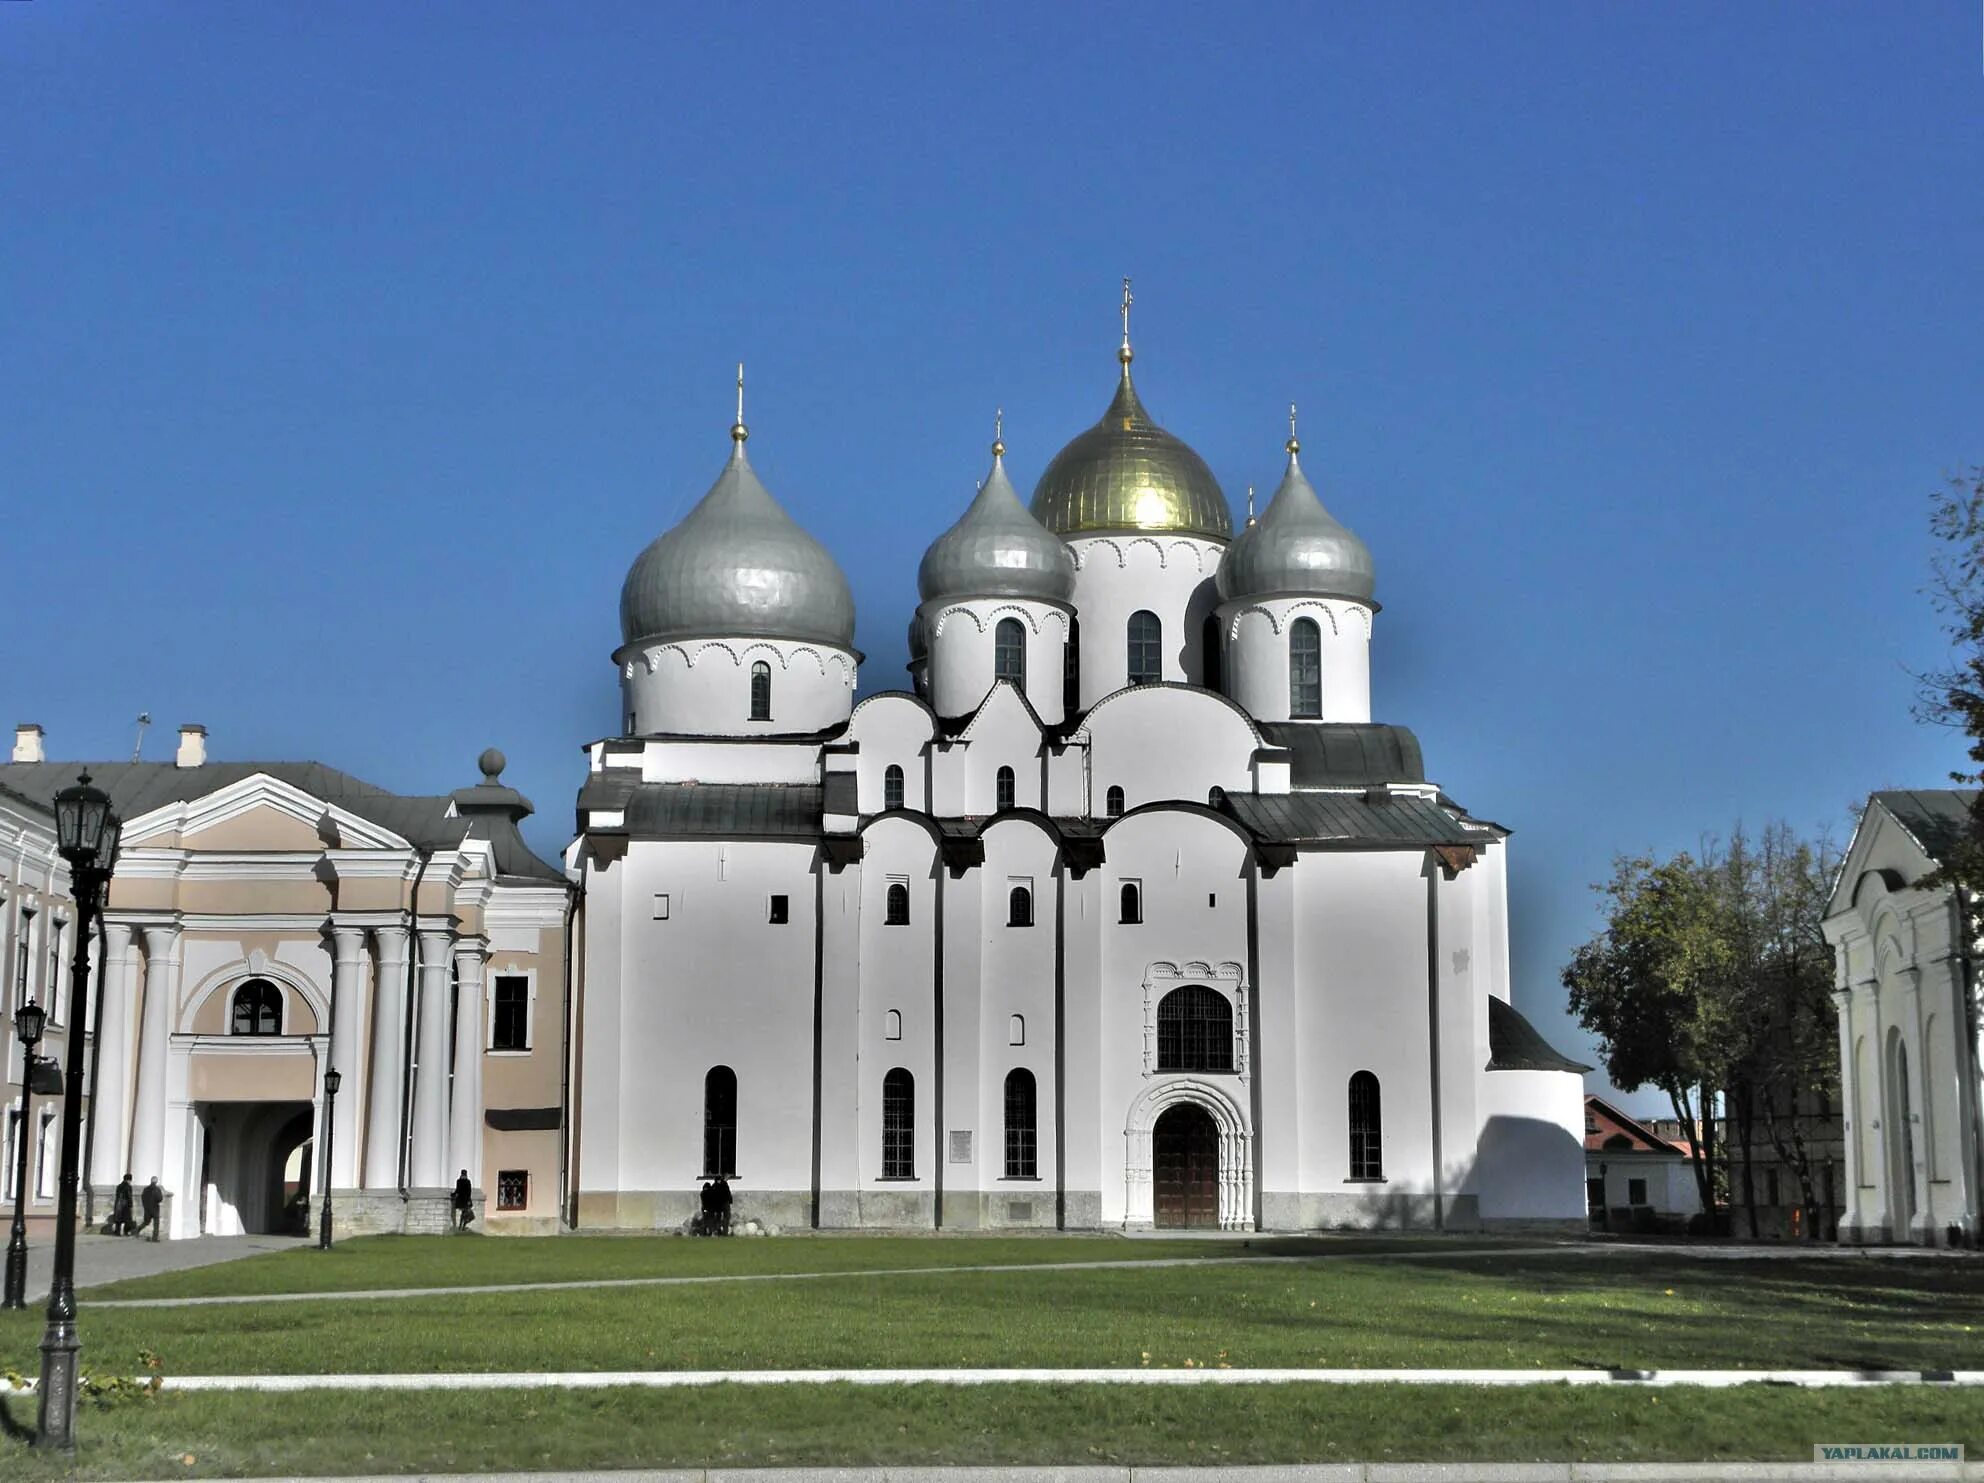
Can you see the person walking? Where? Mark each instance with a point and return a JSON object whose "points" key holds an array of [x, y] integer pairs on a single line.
{"points": [[151, 1199], [120, 1208], [464, 1202], [722, 1206]]}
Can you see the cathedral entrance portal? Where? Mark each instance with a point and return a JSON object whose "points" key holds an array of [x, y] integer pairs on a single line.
{"points": [[1185, 1167], [257, 1163]]}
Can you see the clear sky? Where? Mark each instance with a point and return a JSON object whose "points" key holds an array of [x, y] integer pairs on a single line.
{"points": [[349, 354]]}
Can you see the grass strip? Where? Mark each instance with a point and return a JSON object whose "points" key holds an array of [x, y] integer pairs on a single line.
{"points": [[205, 1436]]}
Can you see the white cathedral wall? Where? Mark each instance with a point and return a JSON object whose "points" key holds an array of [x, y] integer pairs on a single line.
{"points": [[891, 730], [962, 652], [1117, 575], [1530, 1167], [1178, 860], [1165, 745], [964, 775], [1360, 933], [1257, 656], [703, 686], [714, 983]]}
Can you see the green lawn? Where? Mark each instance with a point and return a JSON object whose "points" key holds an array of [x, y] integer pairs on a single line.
{"points": [[733, 1426], [445, 1261], [1461, 1307]]}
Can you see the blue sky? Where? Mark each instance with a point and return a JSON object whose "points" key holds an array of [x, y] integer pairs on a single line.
{"points": [[366, 345]]}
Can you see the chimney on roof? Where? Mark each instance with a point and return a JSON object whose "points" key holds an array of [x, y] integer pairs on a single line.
{"points": [[27, 743], [192, 747]]}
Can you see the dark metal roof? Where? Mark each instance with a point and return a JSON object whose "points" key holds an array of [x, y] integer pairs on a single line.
{"points": [[137, 788], [722, 810], [1396, 820], [1937, 818], [1515, 1045], [1347, 755]]}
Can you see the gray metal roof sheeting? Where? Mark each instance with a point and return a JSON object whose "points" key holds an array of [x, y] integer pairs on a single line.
{"points": [[1347, 754], [1937, 817], [725, 810], [1515, 1045], [137, 788], [1354, 819]]}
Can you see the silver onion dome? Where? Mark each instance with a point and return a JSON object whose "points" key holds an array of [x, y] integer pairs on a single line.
{"points": [[737, 564], [1297, 547], [997, 549]]}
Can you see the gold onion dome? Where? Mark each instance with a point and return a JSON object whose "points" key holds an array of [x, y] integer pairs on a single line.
{"points": [[1297, 547], [1127, 473], [997, 549]]}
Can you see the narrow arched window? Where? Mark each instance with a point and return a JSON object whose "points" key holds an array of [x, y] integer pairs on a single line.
{"points": [[1367, 1155], [1210, 655], [1019, 907], [761, 691], [896, 911], [1305, 669], [1146, 648], [1016, 1030], [898, 1125], [1132, 902], [1071, 668], [1009, 652], [1194, 1030], [892, 786], [1002, 789], [892, 1025], [1113, 802], [257, 1009], [720, 1123], [1215, 796], [1022, 1142]]}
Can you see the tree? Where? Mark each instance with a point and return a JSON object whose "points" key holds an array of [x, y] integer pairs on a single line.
{"points": [[1649, 988], [1954, 696]]}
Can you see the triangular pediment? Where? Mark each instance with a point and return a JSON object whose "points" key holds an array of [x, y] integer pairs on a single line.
{"points": [[258, 808], [1880, 846], [1005, 715]]}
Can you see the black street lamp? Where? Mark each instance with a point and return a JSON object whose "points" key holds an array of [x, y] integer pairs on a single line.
{"points": [[86, 833], [28, 1020], [331, 1080]]}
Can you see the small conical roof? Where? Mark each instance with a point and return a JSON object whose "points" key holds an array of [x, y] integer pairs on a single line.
{"points": [[1296, 548], [997, 549], [737, 565]]}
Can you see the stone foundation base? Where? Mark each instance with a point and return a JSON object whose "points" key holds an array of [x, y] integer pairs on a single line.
{"points": [[382, 1212], [1379, 1210]]}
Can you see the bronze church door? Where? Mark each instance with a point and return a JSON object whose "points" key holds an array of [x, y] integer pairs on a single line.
{"points": [[1185, 1167]]}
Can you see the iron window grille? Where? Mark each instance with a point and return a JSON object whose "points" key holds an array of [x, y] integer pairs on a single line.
{"points": [[1146, 645], [257, 1009], [513, 1189], [1194, 1030], [898, 1125], [1009, 652], [1367, 1157], [1022, 1142], [892, 786], [720, 1123]]}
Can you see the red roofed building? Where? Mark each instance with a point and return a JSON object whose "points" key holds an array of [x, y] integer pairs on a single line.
{"points": [[1630, 1169]]}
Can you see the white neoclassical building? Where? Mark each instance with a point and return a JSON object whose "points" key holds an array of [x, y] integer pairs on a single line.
{"points": [[1127, 914], [1909, 1048]]}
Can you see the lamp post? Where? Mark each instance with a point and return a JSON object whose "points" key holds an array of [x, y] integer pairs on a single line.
{"points": [[331, 1080], [86, 833], [28, 1020]]}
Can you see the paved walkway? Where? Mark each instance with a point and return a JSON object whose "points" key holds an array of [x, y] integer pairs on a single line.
{"points": [[1344, 1472], [114, 1258], [689, 1379]]}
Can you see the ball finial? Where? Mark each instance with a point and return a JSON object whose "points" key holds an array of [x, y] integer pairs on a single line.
{"points": [[492, 763]]}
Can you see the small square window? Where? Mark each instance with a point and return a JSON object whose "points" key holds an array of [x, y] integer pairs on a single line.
{"points": [[781, 909], [513, 1189], [1212, 899], [1635, 1191], [661, 906]]}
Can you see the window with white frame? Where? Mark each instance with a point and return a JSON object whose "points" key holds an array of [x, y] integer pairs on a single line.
{"points": [[47, 1162], [13, 1153]]}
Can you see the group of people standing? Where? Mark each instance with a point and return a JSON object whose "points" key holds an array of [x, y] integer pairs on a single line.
{"points": [[714, 1219], [152, 1198]]}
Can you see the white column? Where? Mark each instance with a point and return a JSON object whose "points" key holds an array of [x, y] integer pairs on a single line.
{"points": [[387, 1075], [430, 1064], [465, 1106], [1851, 1220], [110, 1121], [347, 992], [148, 1105]]}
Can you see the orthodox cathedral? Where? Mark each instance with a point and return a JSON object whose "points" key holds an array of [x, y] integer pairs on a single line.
{"points": [[1126, 914]]}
